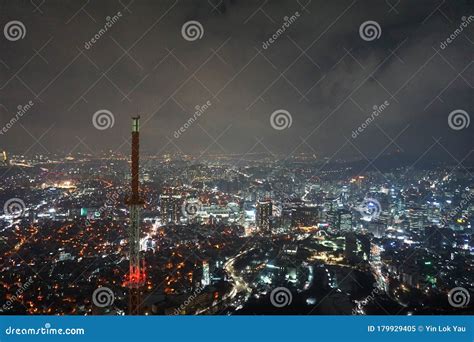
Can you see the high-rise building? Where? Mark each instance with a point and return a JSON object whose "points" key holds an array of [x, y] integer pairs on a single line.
{"points": [[206, 277], [331, 218], [377, 228], [345, 220], [305, 216], [264, 213], [417, 217], [344, 196], [365, 245], [350, 250], [170, 208], [340, 219]]}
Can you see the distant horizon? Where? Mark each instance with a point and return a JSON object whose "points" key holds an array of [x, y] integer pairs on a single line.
{"points": [[396, 158]]}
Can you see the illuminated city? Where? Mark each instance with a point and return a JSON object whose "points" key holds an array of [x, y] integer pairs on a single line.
{"points": [[236, 158], [234, 231]]}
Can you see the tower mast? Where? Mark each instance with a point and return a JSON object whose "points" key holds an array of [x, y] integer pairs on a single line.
{"points": [[136, 277]]}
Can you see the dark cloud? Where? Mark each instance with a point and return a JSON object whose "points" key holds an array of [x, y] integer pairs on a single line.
{"points": [[143, 65]]}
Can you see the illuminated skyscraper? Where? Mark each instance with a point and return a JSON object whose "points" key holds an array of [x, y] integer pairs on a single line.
{"points": [[345, 220], [206, 277], [305, 216], [170, 208], [264, 213]]}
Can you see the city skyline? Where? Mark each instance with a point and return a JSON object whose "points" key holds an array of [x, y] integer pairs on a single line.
{"points": [[221, 239]]}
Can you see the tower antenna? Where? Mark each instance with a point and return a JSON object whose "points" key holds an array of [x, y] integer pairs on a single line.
{"points": [[136, 277]]}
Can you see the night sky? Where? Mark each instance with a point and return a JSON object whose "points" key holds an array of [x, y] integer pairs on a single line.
{"points": [[319, 69]]}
